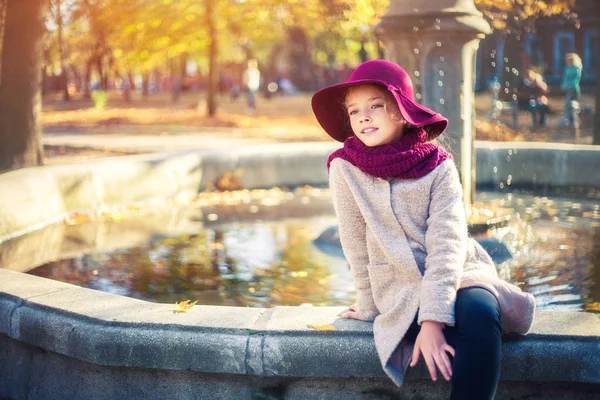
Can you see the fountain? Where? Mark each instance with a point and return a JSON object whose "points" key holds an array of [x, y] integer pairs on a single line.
{"points": [[60, 340], [437, 41], [237, 352]]}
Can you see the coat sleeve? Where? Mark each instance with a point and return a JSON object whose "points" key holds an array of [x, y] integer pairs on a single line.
{"points": [[352, 230], [446, 245]]}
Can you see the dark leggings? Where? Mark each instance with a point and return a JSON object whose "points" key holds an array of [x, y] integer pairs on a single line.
{"points": [[477, 340]]}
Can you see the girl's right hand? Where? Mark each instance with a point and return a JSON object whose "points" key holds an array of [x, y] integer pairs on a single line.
{"points": [[432, 344], [353, 313]]}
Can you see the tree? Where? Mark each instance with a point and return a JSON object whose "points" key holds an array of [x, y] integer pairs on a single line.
{"points": [[20, 84], [2, 15], [57, 14], [513, 13], [597, 111], [212, 59]]}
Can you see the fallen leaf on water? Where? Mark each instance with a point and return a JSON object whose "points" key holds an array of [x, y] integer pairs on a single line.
{"points": [[322, 327], [184, 306]]}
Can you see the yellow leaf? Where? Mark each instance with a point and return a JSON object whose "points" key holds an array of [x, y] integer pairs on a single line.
{"points": [[116, 217], [322, 327], [77, 218], [184, 306], [595, 306]]}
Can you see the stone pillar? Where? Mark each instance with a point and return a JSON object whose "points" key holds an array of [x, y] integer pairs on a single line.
{"points": [[436, 41]]}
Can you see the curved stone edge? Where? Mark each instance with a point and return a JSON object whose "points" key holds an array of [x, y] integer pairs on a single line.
{"points": [[40, 196], [532, 164], [111, 330]]}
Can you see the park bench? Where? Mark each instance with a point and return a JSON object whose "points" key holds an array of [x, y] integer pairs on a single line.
{"points": [[503, 102]]}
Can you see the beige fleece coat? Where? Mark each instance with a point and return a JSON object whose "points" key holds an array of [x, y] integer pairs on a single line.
{"points": [[408, 248]]}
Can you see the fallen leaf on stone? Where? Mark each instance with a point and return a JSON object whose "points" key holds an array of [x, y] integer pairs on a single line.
{"points": [[115, 217], [135, 207], [77, 218], [595, 306], [184, 306], [322, 327]]}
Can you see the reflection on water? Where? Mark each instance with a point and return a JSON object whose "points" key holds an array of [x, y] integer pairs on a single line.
{"points": [[556, 243], [261, 263], [250, 264]]}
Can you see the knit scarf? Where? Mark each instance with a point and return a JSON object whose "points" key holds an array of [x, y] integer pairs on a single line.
{"points": [[408, 158]]}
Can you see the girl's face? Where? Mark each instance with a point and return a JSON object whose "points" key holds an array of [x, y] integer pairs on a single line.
{"points": [[374, 115], [569, 61]]}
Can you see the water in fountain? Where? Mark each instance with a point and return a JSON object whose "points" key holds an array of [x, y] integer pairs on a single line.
{"points": [[261, 252]]}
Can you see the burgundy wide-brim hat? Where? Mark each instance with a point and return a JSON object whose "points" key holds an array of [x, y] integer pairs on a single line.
{"points": [[328, 103]]}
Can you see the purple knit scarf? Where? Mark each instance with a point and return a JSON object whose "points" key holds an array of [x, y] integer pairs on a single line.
{"points": [[408, 158]]}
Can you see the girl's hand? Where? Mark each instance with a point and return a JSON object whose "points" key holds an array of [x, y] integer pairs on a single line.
{"points": [[432, 344], [353, 313]]}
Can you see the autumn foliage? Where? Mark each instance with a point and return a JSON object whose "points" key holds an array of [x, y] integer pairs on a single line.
{"points": [[141, 35]]}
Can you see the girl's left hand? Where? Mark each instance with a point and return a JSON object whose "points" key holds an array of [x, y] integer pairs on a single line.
{"points": [[354, 313], [432, 343]]}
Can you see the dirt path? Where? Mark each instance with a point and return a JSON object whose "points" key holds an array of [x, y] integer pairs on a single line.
{"points": [[75, 131]]}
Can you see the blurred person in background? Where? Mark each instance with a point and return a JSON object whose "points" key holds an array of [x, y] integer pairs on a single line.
{"points": [[532, 97], [251, 81], [570, 84]]}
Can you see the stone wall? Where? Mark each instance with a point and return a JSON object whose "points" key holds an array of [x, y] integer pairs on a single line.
{"points": [[62, 341]]}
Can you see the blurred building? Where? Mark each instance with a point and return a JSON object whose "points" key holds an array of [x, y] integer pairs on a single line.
{"points": [[543, 46]]}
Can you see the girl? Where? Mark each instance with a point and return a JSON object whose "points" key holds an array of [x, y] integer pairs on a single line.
{"points": [[570, 84], [402, 225]]}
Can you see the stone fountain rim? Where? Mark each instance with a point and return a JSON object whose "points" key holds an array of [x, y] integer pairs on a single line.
{"points": [[112, 330]]}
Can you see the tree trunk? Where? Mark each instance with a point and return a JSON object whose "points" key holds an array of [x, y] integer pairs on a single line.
{"points": [[362, 53], [126, 85], [211, 104], [102, 75], [2, 21], [76, 77], [86, 79], [597, 113], [20, 85], [145, 78], [63, 68], [512, 61], [183, 59], [131, 81], [47, 79], [175, 80]]}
